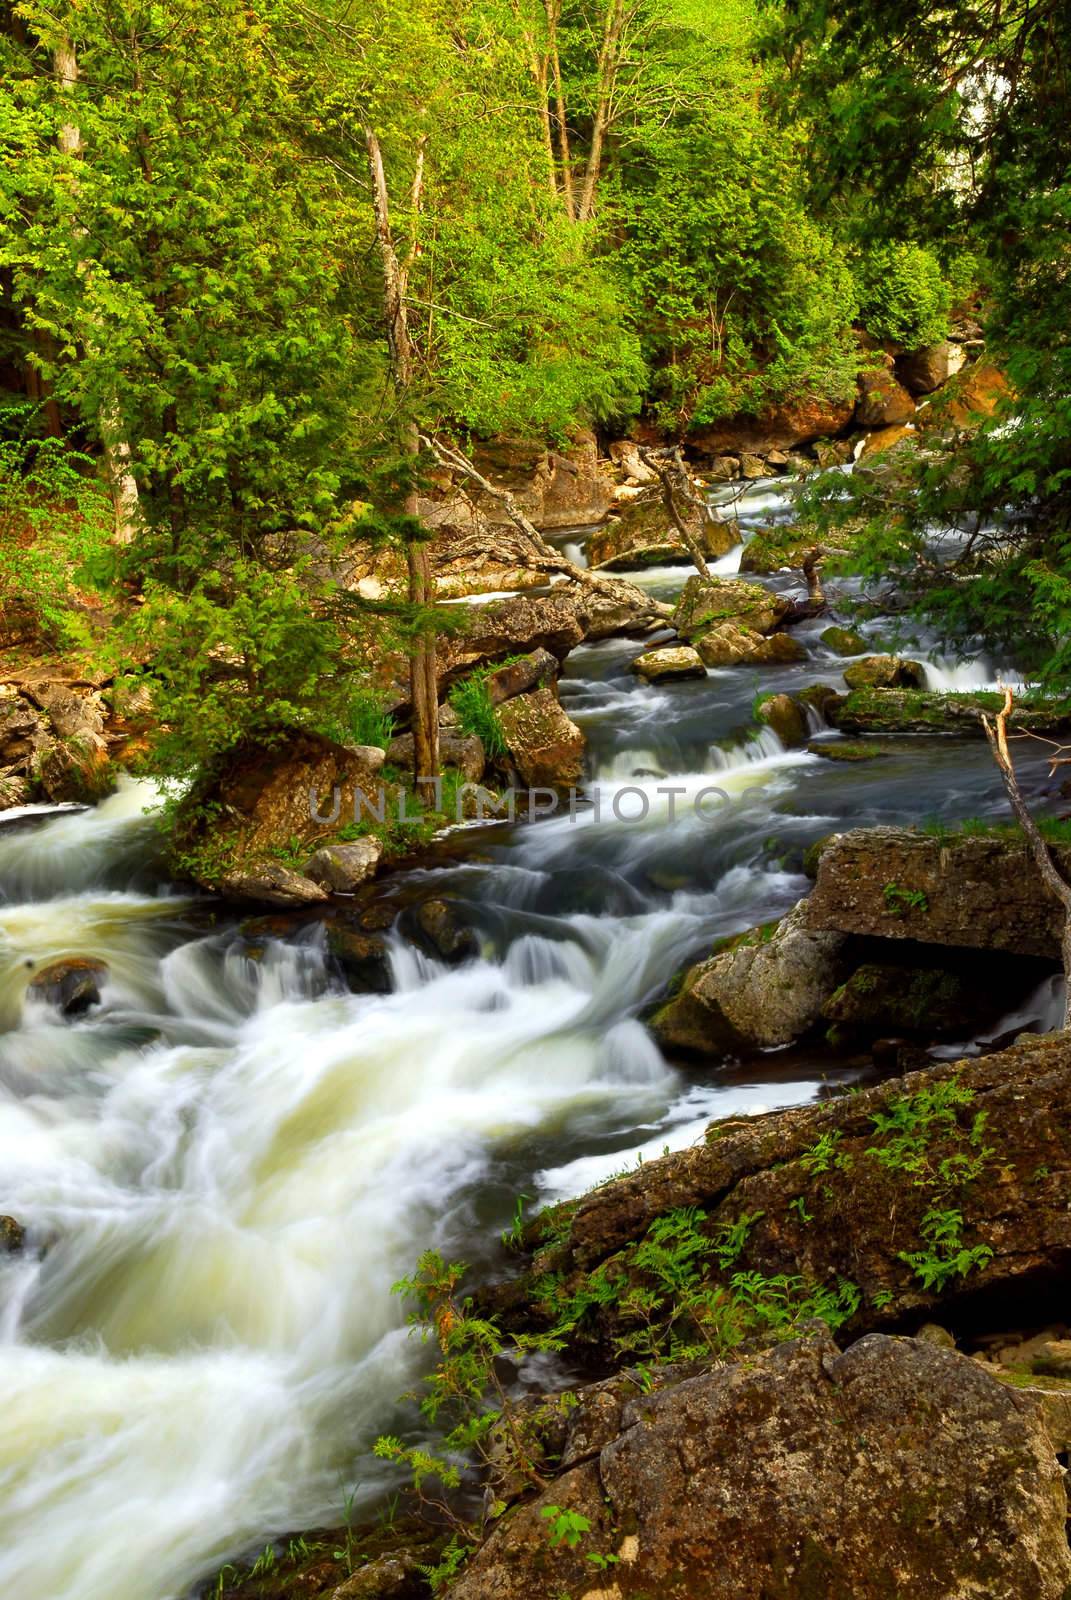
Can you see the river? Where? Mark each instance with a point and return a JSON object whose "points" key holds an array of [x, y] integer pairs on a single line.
{"points": [[225, 1165]]}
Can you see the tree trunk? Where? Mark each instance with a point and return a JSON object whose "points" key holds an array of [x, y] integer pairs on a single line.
{"points": [[997, 734], [117, 455], [565, 154], [423, 666], [609, 63]]}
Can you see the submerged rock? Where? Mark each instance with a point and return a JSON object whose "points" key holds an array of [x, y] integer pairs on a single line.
{"points": [[767, 991], [676, 661], [437, 928], [845, 750], [71, 985], [363, 958], [892, 1468], [12, 1236]]}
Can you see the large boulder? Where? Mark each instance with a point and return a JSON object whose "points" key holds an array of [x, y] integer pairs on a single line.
{"points": [[462, 751], [545, 746], [675, 661], [977, 393], [885, 672], [239, 830], [643, 536], [882, 403], [532, 671], [703, 606], [843, 641], [974, 892], [920, 711], [894, 1468], [728, 645], [784, 428], [851, 1193], [768, 990], [923, 371], [555, 488]]}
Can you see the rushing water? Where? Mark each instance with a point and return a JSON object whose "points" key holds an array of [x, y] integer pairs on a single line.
{"points": [[225, 1164]]}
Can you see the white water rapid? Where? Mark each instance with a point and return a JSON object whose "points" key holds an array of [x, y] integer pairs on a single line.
{"points": [[224, 1164]]}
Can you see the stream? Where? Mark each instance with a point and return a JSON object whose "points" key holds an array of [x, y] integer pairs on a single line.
{"points": [[224, 1165]]}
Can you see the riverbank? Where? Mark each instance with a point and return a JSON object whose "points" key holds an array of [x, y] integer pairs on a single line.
{"points": [[318, 1098]]}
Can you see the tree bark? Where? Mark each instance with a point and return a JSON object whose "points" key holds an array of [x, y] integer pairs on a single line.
{"points": [[423, 666], [997, 733], [565, 155], [609, 63], [117, 453]]}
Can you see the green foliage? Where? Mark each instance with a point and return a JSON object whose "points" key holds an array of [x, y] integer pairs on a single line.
{"points": [[900, 901], [55, 517], [565, 1527], [944, 1255], [903, 295], [824, 1156], [471, 699]]}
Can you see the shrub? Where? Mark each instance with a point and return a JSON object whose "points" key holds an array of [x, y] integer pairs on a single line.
{"points": [[904, 295]]}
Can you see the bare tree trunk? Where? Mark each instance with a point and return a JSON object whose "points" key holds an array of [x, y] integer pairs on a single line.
{"points": [[423, 666], [117, 456], [609, 63], [672, 474], [553, 10], [997, 734]]}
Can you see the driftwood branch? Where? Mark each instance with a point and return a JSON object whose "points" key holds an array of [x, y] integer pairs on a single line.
{"points": [[996, 731], [537, 553], [677, 490]]}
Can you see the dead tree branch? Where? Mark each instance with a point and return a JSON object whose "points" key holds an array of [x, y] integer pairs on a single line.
{"points": [[996, 731]]}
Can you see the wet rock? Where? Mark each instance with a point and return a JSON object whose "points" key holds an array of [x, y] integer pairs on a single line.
{"points": [[544, 744], [845, 750], [532, 671], [342, 868], [752, 466], [363, 959], [885, 672], [974, 892], [882, 403], [804, 1472], [768, 991], [392, 1577], [781, 713], [659, 666], [269, 883], [435, 925], [71, 985], [12, 1236], [548, 622], [920, 711], [703, 606], [843, 641], [923, 371], [78, 768], [835, 454], [729, 646], [723, 469]]}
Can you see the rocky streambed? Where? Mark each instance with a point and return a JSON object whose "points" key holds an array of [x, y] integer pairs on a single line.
{"points": [[218, 1164]]}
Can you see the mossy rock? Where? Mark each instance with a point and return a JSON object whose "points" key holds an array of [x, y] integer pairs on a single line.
{"points": [[844, 641], [846, 750]]}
